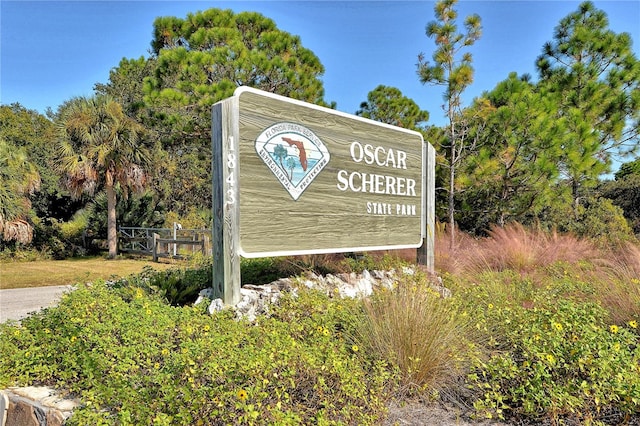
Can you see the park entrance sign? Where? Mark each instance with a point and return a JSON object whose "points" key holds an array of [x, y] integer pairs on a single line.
{"points": [[295, 178]]}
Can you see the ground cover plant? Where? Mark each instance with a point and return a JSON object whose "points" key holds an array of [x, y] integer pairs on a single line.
{"points": [[541, 328], [133, 359], [558, 317]]}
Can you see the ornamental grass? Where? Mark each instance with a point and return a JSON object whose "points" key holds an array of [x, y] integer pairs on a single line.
{"points": [[412, 328]]}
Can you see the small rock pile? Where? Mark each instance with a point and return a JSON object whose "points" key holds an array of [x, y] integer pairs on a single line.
{"points": [[255, 299]]}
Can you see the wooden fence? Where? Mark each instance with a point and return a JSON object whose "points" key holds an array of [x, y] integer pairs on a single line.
{"points": [[164, 242]]}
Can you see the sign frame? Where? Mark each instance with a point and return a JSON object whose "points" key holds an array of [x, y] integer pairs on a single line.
{"points": [[227, 179]]}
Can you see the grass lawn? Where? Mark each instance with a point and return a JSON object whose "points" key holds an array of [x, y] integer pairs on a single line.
{"points": [[61, 272]]}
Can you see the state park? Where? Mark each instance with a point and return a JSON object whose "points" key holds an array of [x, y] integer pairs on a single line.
{"points": [[524, 308]]}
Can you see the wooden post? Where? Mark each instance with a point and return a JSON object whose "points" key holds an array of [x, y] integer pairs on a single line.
{"points": [[225, 170], [425, 252], [155, 247]]}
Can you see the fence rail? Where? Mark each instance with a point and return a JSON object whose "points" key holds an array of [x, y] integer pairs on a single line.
{"points": [[164, 242]]}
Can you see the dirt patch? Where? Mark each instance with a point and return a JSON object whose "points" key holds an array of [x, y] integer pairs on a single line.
{"points": [[431, 414]]}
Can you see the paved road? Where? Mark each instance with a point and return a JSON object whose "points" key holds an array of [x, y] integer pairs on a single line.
{"points": [[18, 303]]}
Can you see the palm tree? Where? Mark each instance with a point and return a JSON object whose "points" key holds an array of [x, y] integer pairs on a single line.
{"points": [[280, 152], [291, 164], [100, 147], [19, 178]]}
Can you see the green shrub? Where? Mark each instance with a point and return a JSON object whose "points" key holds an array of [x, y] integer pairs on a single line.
{"points": [[178, 286], [261, 270], [595, 218], [558, 360], [132, 359], [60, 240]]}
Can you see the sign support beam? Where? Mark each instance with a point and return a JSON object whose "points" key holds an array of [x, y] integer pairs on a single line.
{"points": [[225, 170], [425, 252]]}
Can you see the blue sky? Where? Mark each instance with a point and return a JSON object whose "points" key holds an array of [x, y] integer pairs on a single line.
{"points": [[51, 51]]}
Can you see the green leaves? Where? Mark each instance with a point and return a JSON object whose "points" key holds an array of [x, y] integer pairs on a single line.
{"points": [[387, 105], [563, 361], [217, 47], [134, 360], [593, 77], [455, 73], [19, 178]]}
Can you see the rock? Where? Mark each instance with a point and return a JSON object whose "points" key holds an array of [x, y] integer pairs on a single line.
{"points": [[35, 406], [216, 305], [206, 294], [256, 299]]}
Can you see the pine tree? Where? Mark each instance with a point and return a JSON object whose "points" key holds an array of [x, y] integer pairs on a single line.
{"points": [[455, 73], [593, 76]]}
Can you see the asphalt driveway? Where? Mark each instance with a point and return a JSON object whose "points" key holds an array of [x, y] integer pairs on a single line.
{"points": [[18, 303]]}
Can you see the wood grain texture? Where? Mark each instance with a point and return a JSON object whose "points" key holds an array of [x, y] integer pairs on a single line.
{"points": [[426, 251], [323, 219], [226, 261]]}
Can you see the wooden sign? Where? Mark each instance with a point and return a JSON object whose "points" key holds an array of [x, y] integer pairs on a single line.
{"points": [[296, 178]]}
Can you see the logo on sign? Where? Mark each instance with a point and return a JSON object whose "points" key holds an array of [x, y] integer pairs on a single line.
{"points": [[294, 154]]}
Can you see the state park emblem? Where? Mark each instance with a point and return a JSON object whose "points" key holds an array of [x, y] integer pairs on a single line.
{"points": [[294, 154]]}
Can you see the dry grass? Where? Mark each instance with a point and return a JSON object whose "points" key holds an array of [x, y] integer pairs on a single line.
{"points": [[513, 247], [61, 272], [619, 290], [613, 272], [520, 249], [414, 329]]}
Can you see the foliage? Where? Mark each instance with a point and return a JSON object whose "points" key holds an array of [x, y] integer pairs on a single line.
{"points": [[19, 178], [18, 253], [195, 218], [592, 77], [62, 240], [261, 270], [388, 105], [137, 210], [177, 286], [624, 193], [562, 362], [546, 337], [595, 218], [30, 137], [101, 147], [626, 169], [125, 86], [202, 58], [196, 61], [511, 177], [514, 247], [35, 133], [455, 73], [619, 284], [134, 360]]}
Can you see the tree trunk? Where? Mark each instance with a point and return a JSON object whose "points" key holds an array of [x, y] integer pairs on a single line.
{"points": [[452, 178], [452, 220], [112, 232]]}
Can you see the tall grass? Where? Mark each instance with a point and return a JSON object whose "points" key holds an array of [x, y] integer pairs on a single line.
{"points": [[619, 290], [418, 332], [515, 247], [518, 248], [613, 272]]}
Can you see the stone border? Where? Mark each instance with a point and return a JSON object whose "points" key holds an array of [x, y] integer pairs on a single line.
{"points": [[34, 406]]}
